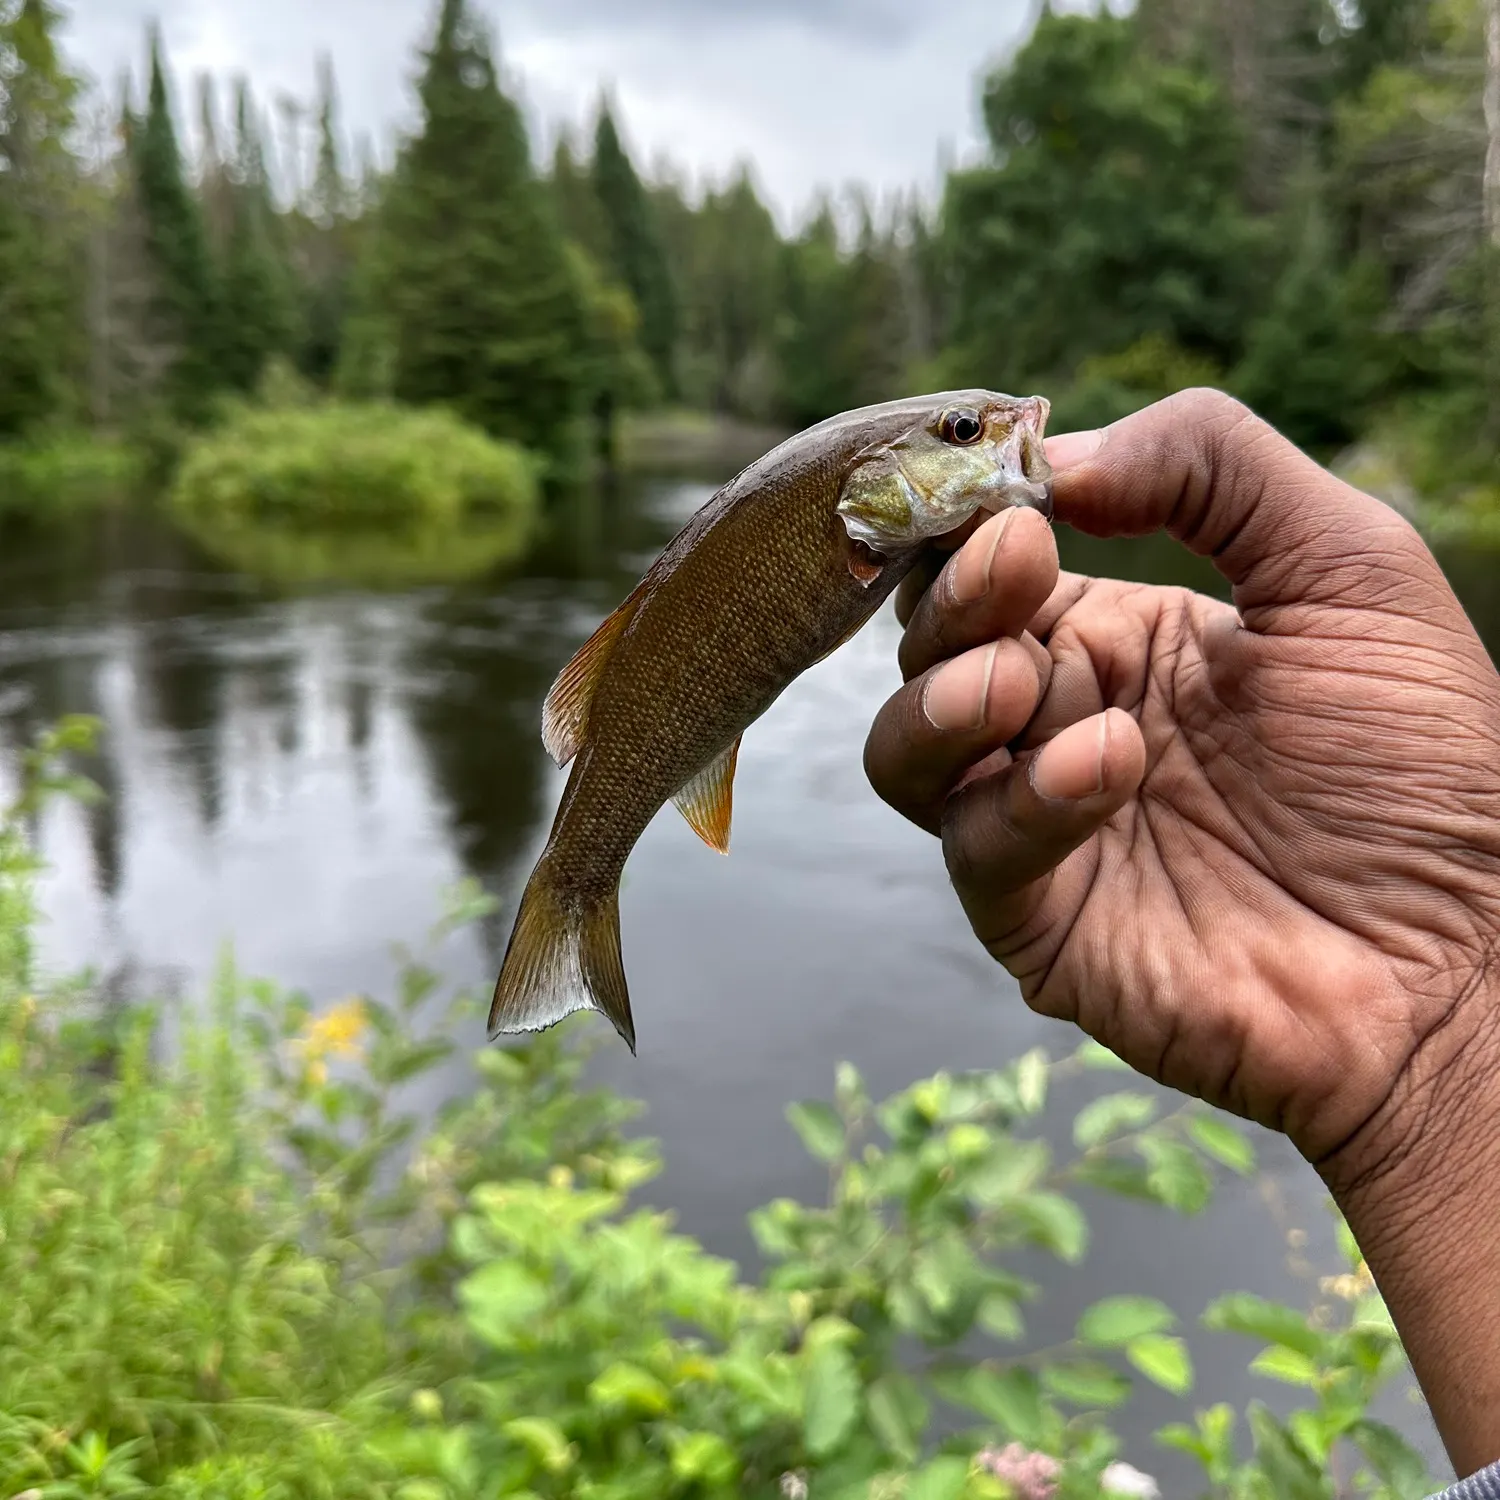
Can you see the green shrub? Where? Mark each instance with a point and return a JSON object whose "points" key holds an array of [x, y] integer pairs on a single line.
{"points": [[371, 493], [246, 1274], [67, 473], [361, 464]]}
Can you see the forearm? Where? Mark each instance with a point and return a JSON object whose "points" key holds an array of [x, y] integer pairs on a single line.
{"points": [[1420, 1189]]}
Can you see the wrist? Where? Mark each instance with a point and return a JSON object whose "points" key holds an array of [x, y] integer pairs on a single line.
{"points": [[1419, 1185]]}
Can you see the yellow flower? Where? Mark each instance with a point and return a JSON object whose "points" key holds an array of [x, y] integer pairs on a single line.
{"points": [[337, 1031]]}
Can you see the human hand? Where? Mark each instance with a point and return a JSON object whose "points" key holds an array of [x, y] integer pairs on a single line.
{"points": [[1254, 850]]}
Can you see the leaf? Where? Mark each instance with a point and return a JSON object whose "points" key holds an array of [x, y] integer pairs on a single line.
{"points": [[1177, 1176], [1285, 1365], [820, 1128], [1114, 1321], [898, 1413], [703, 1458], [1104, 1118], [849, 1090], [502, 1299], [832, 1400], [1291, 1474], [945, 1273], [1393, 1459], [544, 1440], [1163, 1360], [999, 1315], [1011, 1398], [1055, 1222], [1031, 1081], [1112, 1174], [1216, 1137], [1092, 1054], [1012, 1167], [942, 1479], [630, 1386], [1271, 1322], [1086, 1383]]}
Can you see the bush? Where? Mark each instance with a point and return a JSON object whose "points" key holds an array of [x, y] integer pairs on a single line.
{"points": [[368, 492], [65, 474], [246, 1274]]}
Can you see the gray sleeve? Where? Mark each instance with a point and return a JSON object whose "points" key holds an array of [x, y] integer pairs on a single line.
{"points": [[1485, 1485]]}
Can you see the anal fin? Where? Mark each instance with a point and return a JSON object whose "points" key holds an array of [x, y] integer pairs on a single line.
{"points": [[707, 801]]}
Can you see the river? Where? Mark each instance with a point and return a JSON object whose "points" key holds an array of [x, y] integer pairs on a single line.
{"points": [[305, 773]]}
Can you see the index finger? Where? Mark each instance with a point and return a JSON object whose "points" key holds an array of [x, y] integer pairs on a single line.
{"points": [[1203, 467]]}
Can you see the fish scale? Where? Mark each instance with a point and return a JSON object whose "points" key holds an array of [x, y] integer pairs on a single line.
{"points": [[764, 580]]}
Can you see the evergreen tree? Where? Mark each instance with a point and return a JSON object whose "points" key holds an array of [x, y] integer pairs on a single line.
{"points": [[256, 308], [578, 207], [634, 246], [41, 231], [184, 290], [482, 304], [329, 253]]}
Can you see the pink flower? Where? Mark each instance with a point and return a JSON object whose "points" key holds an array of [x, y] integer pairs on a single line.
{"points": [[1031, 1476]]}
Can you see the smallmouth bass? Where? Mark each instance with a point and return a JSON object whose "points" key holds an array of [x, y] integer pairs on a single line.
{"points": [[777, 570]]}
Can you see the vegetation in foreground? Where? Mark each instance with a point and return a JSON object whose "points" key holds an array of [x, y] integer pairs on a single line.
{"points": [[243, 1270]]}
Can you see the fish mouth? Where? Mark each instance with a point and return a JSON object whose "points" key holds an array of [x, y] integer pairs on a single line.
{"points": [[1025, 476]]}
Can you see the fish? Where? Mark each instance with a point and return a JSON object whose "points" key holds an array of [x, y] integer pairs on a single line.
{"points": [[772, 574]]}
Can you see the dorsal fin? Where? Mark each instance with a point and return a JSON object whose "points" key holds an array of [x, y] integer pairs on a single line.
{"points": [[707, 801], [565, 715]]}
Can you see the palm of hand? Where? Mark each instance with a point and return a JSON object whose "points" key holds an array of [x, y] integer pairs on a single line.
{"points": [[1286, 872]]}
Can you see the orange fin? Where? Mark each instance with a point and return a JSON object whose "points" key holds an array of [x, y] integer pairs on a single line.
{"points": [[565, 715], [707, 801]]}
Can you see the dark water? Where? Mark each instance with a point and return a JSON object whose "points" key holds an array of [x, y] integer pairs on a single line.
{"points": [[306, 774]]}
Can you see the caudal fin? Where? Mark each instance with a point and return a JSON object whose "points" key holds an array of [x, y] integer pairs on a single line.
{"points": [[564, 955]]}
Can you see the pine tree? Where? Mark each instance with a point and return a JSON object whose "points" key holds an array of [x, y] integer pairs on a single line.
{"points": [[256, 293], [328, 249], [634, 247], [41, 234], [483, 307], [185, 291]]}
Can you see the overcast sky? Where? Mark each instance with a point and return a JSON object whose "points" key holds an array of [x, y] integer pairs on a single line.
{"points": [[813, 92]]}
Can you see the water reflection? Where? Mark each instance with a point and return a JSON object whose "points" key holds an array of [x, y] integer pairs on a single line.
{"points": [[306, 774]]}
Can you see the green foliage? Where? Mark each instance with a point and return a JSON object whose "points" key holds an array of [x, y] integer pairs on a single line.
{"points": [[472, 283], [249, 1273], [185, 294], [634, 246], [64, 473], [39, 261], [1111, 212], [365, 492]]}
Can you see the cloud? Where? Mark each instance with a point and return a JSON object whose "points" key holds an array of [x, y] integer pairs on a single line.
{"points": [[812, 92]]}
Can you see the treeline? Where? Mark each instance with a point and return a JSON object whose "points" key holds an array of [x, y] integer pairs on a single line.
{"points": [[1286, 197]]}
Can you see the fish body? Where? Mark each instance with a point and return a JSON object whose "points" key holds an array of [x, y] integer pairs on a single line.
{"points": [[785, 563]]}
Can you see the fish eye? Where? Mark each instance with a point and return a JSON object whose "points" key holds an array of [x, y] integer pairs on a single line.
{"points": [[962, 426]]}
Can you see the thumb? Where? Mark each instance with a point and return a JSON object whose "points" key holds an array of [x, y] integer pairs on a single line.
{"points": [[1228, 486]]}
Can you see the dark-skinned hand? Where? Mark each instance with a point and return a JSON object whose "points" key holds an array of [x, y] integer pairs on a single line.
{"points": [[1253, 849]]}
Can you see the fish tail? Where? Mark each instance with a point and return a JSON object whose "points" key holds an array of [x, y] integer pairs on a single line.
{"points": [[564, 956]]}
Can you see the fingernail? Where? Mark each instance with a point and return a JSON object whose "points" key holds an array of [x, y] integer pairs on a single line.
{"points": [[1072, 766], [971, 568], [1070, 448], [958, 693]]}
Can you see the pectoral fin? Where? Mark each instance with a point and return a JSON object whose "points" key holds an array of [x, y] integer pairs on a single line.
{"points": [[565, 715], [707, 801]]}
